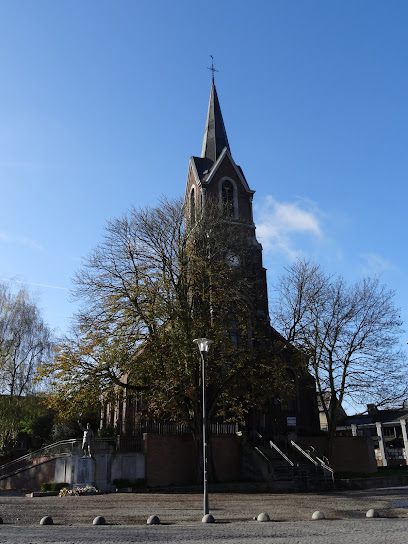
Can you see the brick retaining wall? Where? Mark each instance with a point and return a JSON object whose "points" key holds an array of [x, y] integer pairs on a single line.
{"points": [[172, 459]]}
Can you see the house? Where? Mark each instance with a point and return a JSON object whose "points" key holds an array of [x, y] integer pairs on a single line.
{"points": [[387, 429]]}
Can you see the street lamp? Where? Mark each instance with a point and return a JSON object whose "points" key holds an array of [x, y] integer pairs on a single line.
{"points": [[204, 345]]}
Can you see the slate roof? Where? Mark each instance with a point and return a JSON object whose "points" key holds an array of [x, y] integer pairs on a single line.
{"points": [[215, 135], [202, 165], [382, 416]]}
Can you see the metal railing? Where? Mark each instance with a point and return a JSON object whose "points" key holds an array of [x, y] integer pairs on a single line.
{"points": [[51, 451], [315, 460], [170, 427], [127, 444], [58, 449], [273, 445], [304, 453]]}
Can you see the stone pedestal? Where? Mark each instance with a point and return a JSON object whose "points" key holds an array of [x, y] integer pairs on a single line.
{"points": [[85, 471]]}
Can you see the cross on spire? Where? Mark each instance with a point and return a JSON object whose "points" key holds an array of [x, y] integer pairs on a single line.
{"points": [[212, 68]]}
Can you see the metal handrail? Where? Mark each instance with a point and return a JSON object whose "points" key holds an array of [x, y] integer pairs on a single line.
{"points": [[318, 463], [57, 449], [303, 452], [63, 447], [37, 453], [273, 445], [324, 465], [261, 453]]}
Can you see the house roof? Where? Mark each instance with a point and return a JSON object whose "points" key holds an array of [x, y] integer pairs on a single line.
{"points": [[381, 416]]}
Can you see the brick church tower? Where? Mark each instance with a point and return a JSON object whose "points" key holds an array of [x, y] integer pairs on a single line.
{"points": [[214, 176]]}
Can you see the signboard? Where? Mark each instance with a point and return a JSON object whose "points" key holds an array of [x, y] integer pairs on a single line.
{"points": [[291, 421]]}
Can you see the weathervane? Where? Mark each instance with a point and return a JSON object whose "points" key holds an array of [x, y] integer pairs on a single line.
{"points": [[212, 68]]}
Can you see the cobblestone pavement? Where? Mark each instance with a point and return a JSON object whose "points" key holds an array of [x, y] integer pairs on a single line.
{"points": [[180, 514], [357, 531]]}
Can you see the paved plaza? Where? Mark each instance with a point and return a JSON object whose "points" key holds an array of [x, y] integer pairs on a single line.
{"points": [[180, 514], [374, 531]]}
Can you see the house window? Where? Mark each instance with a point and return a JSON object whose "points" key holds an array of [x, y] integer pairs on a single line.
{"points": [[227, 194], [192, 206]]}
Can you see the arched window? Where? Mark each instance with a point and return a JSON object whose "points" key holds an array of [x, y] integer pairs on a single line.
{"points": [[192, 206], [227, 195]]}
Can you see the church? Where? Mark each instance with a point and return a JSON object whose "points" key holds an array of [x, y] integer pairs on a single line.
{"points": [[282, 414], [215, 176]]}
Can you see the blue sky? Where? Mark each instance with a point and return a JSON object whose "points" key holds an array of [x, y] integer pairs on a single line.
{"points": [[102, 103]]}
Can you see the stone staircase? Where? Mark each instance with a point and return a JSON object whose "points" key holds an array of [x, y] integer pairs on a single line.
{"points": [[292, 468]]}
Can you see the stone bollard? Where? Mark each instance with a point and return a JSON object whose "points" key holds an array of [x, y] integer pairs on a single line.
{"points": [[372, 513], [99, 520], [153, 520], [208, 518], [318, 515], [263, 517], [46, 520]]}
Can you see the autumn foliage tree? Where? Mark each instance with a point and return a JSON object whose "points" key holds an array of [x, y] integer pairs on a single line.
{"points": [[154, 284]]}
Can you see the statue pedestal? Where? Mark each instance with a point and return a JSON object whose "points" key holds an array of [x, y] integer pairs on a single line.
{"points": [[85, 471]]}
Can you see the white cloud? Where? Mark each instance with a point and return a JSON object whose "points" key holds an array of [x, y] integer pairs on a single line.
{"points": [[278, 223], [20, 240], [43, 285], [374, 265], [12, 281]]}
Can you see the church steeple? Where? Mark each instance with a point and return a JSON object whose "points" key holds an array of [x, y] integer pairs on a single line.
{"points": [[215, 177], [215, 135]]}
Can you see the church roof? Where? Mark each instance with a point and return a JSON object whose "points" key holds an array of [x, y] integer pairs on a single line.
{"points": [[215, 135], [202, 165], [215, 146]]}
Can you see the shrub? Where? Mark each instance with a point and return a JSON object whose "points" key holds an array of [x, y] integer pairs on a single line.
{"points": [[121, 482], [53, 486], [106, 432], [57, 486]]}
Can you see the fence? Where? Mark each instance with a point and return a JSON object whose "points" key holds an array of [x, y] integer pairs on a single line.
{"points": [[169, 427]]}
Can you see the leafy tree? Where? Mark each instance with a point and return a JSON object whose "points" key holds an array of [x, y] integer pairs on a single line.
{"points": [[64, 429], [36, 420], [154, 284], [350, 333], [25, 344]]}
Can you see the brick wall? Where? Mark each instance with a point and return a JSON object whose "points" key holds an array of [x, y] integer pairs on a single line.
{"points": [[350, 453], [172, 459], [227, 458], [32, 478]]}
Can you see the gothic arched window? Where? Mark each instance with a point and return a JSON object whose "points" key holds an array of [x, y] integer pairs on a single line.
{"points": [[192, 206], [227, 194]]}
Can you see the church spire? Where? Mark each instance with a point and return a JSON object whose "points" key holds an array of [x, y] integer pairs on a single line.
{"points": [[215, 136]]}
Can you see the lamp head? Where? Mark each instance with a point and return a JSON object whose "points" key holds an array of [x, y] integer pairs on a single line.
{"points": [[203, 344]]}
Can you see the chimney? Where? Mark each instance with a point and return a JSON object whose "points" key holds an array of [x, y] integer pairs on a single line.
{"points": [[372, 409]]}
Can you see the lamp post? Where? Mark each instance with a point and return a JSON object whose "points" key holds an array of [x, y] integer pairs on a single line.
{"points": [[204, 345]]}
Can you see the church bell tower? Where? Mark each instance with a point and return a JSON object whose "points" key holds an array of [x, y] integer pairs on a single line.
{"points": [[215, 175]]}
